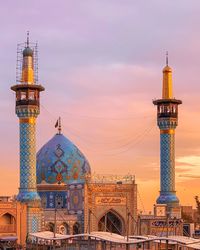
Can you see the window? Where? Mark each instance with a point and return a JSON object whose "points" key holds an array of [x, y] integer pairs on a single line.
{"points": [[23, 95], [31, 95]]}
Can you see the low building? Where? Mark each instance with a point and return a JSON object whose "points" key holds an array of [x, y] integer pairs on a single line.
{"points": [[111, 204], [161, 223], [13, 220]]}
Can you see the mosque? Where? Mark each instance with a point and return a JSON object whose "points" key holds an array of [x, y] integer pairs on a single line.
{"points": [[58, 191]]}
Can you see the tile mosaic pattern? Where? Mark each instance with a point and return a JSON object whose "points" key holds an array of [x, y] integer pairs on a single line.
{"points": [[167, 162], [34, 220], [50, 199], [167, 171], [34, 227], [167, 123], [60, 161], [27, 191], [27, 163], [75, 199], [25, 112]]}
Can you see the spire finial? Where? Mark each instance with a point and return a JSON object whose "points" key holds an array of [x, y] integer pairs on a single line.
{"points": [[58, 125], [27, 38], [167, 58]]}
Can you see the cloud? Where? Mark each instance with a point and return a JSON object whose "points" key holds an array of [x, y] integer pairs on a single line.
{"points": [[101, 64]]}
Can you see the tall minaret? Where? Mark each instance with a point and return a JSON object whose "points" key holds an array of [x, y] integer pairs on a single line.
{"points": [[167, 120], [27, 109]]}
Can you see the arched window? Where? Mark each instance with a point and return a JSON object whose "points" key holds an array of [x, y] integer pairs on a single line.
{"points": [[7, 223], [6, 219], [64, 229], [111, 222]]}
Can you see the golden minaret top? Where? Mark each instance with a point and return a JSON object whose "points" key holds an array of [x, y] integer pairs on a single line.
{"points": [[167, 81], [27, 67]]}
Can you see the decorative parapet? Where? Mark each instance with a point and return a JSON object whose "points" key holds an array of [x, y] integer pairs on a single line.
{"points": [[109, 178]]}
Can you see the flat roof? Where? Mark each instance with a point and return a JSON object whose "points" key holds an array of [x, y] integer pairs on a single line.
{"points": [[119, 239]]}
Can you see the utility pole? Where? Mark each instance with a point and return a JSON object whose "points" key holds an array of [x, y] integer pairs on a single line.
{"points": [[105, 223], [89, 229], [167, 230], [127, 228], [54, 231], [127, 231], [89, 220]]}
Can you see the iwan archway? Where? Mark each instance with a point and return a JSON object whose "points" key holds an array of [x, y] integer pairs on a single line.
{"points": [[111, 222]]}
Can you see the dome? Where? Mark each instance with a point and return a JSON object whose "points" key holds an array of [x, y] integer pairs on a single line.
{"points": [[60, 161], [167, 69], [27, 52]]}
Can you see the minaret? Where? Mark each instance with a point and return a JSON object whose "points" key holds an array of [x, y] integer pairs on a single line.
{"points": [[27, 109], [167, 120]]}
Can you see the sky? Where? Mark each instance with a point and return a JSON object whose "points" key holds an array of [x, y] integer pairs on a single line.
{"points": [[101, 62]]}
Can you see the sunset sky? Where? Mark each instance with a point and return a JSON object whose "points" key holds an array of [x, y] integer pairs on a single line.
{"points": [[101, 62]]}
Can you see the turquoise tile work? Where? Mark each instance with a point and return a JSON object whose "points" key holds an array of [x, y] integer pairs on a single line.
{"points": [[28, 191]]}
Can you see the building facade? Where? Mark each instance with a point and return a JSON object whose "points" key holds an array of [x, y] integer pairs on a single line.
{"points": [[111, 204], [76, 201], [13, 220]]}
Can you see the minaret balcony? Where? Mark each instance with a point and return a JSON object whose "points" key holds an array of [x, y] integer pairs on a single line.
{"points": [[168, 115], [27, 103]]}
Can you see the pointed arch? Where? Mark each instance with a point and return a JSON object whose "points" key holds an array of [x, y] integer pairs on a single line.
{"points": [[12, 214], [111, 221], [50, 227], [64, 229], [7, 223], [7, 218], [76, 228]]}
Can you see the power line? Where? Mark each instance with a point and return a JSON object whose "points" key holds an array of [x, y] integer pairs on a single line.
{"points": [[79, 116], [131, 143], [141, 201]]}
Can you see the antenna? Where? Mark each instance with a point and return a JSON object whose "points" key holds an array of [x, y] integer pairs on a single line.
{"points": [[167, 58], [27, 38], [59, 126]]}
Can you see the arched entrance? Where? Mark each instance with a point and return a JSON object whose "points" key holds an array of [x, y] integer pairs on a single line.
{"points": [[76, 228], [7, 223], [111, 222], [50, 227], [64, 229]]}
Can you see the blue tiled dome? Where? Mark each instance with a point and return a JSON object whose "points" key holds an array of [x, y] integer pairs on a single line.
{"points": [[60, 161]]}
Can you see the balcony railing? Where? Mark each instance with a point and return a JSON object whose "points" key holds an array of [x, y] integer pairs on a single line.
{"points": [[27, 102]]}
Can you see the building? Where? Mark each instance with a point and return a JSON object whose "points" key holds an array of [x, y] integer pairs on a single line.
{"points": [[13, 218], [58, 191], [111, 204], [77, 200]]}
